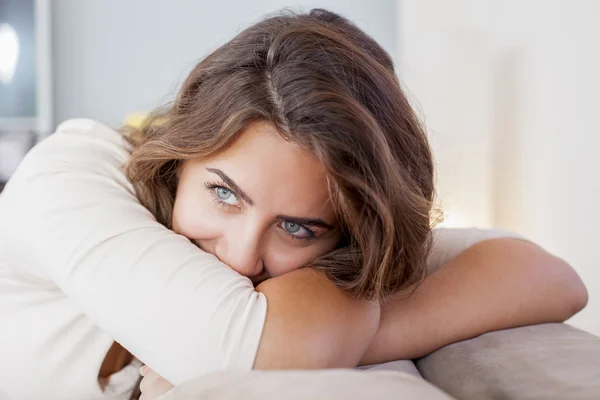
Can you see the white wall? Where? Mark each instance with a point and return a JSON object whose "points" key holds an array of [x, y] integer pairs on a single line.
{"points": [[114, 57], [444, 63], [517, 143], [556, 60]]}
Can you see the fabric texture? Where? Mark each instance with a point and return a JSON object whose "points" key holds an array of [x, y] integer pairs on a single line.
{"points": [[333, 384], [404, 366], [546, 361]]}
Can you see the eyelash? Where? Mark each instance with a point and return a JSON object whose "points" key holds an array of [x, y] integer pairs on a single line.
{"points": [[211, 186]]}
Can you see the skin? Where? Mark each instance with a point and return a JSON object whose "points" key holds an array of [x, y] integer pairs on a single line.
{"points": [[261, 206], [463, 299]]}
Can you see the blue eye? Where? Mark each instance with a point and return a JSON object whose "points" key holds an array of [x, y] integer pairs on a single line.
{"points": [[226, 196], [297, 231], [291, 227], [222, 194]]}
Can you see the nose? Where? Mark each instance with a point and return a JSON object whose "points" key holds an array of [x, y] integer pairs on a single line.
{"points": [[241, 252]]}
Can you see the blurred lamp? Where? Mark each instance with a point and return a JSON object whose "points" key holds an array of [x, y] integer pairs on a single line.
{"points": [[9, 53]]}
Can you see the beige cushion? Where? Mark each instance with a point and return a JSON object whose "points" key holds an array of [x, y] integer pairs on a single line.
{"points": [[548, 361], [333, 384], [407, 366]]}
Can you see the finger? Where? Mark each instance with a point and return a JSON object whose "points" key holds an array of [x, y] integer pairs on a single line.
{"points": [[149, 378], [157, 388]]}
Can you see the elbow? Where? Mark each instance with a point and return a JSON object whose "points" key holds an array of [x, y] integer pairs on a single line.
{"points": [[579, 295], [581, 300], [559, 290], [574, 293]]}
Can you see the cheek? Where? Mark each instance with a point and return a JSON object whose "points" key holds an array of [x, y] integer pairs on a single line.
{"points": [[195, 218]]}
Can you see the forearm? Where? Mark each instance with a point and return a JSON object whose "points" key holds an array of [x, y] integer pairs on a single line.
{"points": [[311, 323], [493, 285]]}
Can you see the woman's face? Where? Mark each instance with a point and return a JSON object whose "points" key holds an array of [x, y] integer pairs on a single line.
{"points": [[261, 206]]}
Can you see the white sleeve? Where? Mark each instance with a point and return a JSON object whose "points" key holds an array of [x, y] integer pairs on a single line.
{"points": [[79, 223], [449, 242]]}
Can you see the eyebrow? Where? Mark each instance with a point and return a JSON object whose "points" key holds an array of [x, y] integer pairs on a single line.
{"points": [[302, 221]]}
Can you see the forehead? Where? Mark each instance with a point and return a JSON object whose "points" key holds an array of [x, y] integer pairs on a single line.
{"points": [[274, 172]]}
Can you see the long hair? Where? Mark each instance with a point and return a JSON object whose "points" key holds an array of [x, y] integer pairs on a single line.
{"points": [[330, 88]]}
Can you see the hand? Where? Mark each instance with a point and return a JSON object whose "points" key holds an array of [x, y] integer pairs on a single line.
{"points": [[153, 385]]}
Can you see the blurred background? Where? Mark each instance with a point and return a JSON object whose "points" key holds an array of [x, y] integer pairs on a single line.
{"points": [[508, 90]]}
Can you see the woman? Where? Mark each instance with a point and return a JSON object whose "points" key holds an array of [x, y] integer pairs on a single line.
{"points": [[291, 171]]}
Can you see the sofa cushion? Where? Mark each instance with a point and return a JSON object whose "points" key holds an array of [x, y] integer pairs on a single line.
{"points": [[332, 384], [547, 361]]}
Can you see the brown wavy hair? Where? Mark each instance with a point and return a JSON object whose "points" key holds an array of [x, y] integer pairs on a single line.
{"points": [[330, 88]]}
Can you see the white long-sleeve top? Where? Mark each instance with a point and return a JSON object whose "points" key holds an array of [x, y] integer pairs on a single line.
{"points": [[84, 264]]}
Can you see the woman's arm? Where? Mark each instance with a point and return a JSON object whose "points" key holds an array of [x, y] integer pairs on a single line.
{"points": [[495, 284], [313, 324]]}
